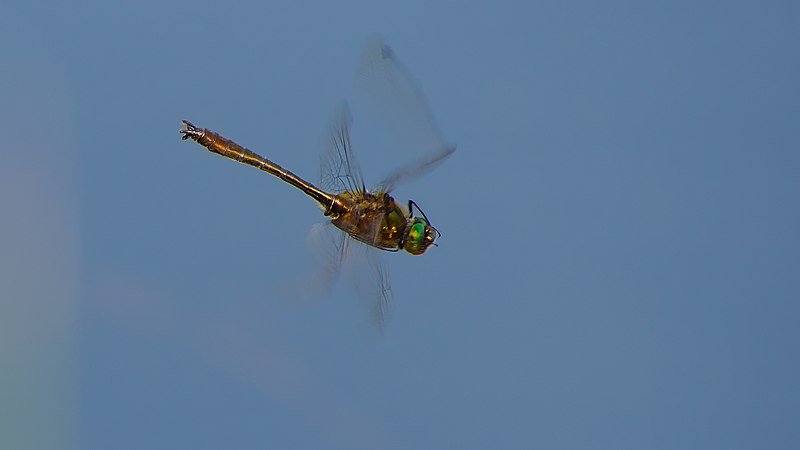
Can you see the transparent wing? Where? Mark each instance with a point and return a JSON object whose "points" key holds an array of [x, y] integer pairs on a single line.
{"points": [[373, 284], [382, 294], [339, 168], [370, 223], [414, 170], [331, 248], [362, 265], [389, 91]]}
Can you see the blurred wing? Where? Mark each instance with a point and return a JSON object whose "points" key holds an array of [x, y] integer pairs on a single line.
{"points": [[339, 169], [382, 296], [413, 170], [337, 252], [331, 247], [391, 92], [374, 285]]}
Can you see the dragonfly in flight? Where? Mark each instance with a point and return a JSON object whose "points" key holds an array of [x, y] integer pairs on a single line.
{"points": [[368, 216]]}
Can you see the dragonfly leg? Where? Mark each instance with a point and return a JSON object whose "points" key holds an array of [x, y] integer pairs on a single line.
{"points": [[191, 131]]}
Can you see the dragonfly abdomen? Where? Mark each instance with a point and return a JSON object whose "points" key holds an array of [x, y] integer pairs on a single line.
{"points": [[216, 143]]}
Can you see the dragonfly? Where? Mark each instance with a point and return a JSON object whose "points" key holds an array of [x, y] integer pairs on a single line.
{"points": [[368, 216]]}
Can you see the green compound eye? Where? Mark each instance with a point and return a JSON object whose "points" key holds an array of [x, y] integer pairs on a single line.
{"points": [[415, 241]]}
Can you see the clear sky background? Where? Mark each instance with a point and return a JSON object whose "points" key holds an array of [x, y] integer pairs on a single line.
{"points": [[619, 263]]}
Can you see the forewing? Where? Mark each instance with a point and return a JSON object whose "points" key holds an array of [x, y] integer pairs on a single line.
{"points": [[413, 170], [339, 168], [390, 92]]}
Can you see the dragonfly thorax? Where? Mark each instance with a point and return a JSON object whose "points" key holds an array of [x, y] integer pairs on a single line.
{"points": [[372, 218], [377, 220]]}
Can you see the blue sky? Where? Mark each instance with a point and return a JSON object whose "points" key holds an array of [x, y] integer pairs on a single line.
{"points": [[618, 267]]}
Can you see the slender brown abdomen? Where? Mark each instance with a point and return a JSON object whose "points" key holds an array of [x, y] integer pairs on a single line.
{"points": [[223, 146]]}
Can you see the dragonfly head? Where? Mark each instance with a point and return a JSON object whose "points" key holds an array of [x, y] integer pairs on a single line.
{"points": [[419, 234]]}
